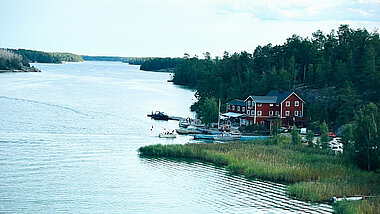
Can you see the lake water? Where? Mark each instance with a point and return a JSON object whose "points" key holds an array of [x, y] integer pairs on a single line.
{"points": [[69, 138]]}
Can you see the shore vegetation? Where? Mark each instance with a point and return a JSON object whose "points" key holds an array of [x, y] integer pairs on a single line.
{"points": [[312, 174]]}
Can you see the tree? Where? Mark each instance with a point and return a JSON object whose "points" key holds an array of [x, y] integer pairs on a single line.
{"points": [[209, 111], [276, 127], [348, 138], [296, 137], [367, 137], [325, 138], [310, 138]]}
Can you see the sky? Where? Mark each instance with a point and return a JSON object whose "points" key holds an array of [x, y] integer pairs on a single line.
{"points": [[137, 28]]}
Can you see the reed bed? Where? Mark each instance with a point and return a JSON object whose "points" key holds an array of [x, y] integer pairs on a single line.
{"points": [[313, 175]]}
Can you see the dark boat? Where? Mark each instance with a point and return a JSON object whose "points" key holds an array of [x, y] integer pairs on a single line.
{"points": [[158, 115]]}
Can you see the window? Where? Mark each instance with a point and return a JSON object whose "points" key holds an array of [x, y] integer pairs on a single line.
{"points": [[277, 113], [253, 112], [262, 122], [270, 113], [228, 106], [243, 109], [249, 103], [277, 104], [248, 112], [259, 113], [251, 122], [259, 104], [287, 103], [233, 108], [238, 108], [296, 113], [300, 113], [296, 103], [271, 104], [287, 113]]}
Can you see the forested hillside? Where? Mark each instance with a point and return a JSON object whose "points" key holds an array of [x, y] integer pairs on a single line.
{"points": [[337, 73], [46, 57]]}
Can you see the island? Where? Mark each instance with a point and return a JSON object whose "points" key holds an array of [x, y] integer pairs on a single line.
{"points": [[18, 60]]}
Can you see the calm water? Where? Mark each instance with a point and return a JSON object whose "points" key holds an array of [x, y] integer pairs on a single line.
{"points": [[68, 141]]}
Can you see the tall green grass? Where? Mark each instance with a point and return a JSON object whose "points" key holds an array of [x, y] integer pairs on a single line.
{"points": [[313, 175]]}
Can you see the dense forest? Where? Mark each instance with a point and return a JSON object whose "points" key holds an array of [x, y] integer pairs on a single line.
{"points": [[336, 73]]}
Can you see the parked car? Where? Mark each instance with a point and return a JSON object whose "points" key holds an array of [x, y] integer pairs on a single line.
{"points": [[284, 129], [303, 131], [317, 132], [332, 135]]}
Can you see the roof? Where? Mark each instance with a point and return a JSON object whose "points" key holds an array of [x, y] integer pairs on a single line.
{"points": [[280, 95], [264, 99], [237, 102]]}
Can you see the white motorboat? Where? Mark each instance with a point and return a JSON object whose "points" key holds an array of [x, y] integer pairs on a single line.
{"points": [[167, 134]]}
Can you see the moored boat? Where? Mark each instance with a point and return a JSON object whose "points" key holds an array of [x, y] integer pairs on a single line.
{"points": [[158, 115], [168, 134], [188, 130]]}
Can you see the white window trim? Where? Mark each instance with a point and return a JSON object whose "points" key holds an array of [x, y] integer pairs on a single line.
{"points": [[259, 104], [287, 113], [253, 112], [248, 111], [228, 106], [259, 113], [238, 108], [249, 103], [296, 113], [270, 113], [233, 108], [243, 109], [296, 103], [271, 104], [287, 103]]}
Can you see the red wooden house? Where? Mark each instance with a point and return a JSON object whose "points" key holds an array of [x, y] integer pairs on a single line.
{"points": [[284, 105]]}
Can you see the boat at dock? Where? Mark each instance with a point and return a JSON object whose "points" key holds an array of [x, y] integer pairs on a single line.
{"points": [[218, 137], [228, 137], [188, 130], [183, 124], [158, 115]]}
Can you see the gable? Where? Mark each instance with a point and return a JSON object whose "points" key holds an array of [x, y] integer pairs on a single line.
{"points": [[295, 95]]}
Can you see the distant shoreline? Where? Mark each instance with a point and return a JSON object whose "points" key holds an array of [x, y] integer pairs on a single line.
{"points": [[164, 70]]}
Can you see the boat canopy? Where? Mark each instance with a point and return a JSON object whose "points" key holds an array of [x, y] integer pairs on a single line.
{"points": [[232, 114]]}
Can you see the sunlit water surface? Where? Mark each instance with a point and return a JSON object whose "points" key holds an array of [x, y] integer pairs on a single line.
{"points": [[69, 138]]}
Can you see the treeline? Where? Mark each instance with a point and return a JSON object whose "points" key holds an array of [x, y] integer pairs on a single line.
{"points": [[67, 57], [46, 57], [102, 58], [340, 72], [156, 64], [16, 59]]}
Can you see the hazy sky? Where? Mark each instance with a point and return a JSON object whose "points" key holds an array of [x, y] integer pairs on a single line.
{"points": [[172, 27]]}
